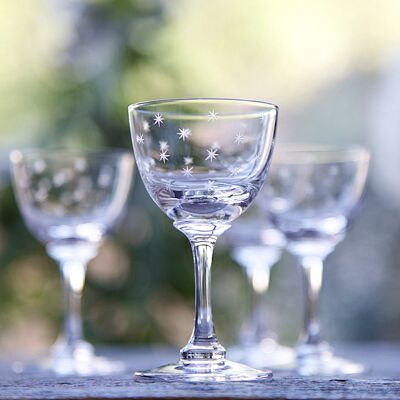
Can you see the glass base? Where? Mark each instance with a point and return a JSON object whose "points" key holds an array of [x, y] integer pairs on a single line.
{"points": [[266, 354], [93, 366], [319, 360], [79, 360], [96, 366], [229, 372]]}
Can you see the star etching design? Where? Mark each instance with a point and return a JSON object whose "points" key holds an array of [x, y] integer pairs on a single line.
{"points": [[210, 186], [184, 133], [140, 139], [146, 126], [212, 154], [164, 146], [239, 138], [188, 160], [212, 116], [187, 171], [234, 171], [168, 186], [158, 119], [164, 156]]}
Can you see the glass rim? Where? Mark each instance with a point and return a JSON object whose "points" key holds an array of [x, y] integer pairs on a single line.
{"points": [[306, 153], [265, 107], [17, 155]]}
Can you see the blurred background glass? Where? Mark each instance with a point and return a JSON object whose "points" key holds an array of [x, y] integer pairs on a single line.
{"points": [[68, 70]]}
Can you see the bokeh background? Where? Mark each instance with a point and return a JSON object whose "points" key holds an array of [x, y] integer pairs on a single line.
{"points": [[68, 70]]}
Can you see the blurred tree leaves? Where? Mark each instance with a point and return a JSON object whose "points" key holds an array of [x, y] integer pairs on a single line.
{"points": [[106, 59]]}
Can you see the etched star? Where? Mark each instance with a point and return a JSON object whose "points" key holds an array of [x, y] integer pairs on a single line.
{"points": [[140, 139], [239, 138], [146, 126], [164, 156], [164, 146], [210, 186], [212, 116], [234, 171], [187, 171], [158, 119], [184, 133], [168, 185], [188, 160], [212, 154]]}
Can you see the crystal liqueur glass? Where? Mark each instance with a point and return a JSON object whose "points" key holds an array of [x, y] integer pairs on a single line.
{"points": [[70, 200], [311, 196], [203, 162], [256, 246]]}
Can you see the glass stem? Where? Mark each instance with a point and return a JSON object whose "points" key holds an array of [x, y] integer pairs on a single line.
{"points": [[259, 283], [312, 267], [73, 278], [203, 344], [204, 327]]}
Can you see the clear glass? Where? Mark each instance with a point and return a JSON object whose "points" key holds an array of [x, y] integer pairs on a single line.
{"points": [[311, 196], [69, 201], [203, 161], [256, 246]]}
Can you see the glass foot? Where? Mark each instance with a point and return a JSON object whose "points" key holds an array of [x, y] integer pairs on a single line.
{"points": [[319, 360], [68, 367], [78, 359], [266, 354], [229, 372], [94, 366]]}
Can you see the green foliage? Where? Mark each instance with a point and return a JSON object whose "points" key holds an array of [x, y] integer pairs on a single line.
{"points": [[110, 61]]}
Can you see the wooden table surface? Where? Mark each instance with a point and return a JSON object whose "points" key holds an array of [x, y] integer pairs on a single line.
{"points": [[382, 381]]}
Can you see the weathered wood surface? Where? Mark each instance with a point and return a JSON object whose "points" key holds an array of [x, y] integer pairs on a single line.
{"points": [[126, 388], [381, 382]]}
